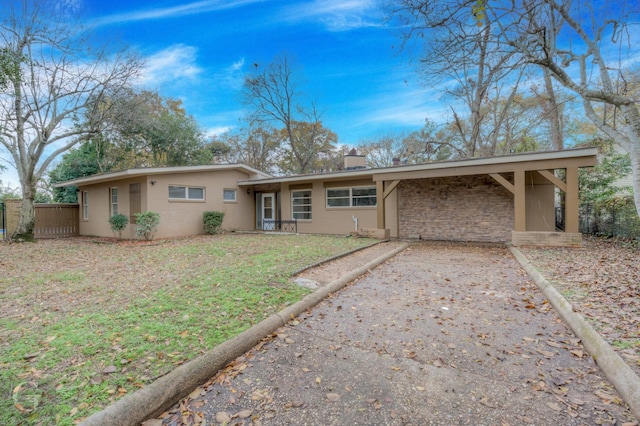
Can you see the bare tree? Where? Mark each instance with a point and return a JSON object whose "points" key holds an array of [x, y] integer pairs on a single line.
{"points": [[277, 98], [59, 95], [462, 58], [584, 46], [257, 146], [588, 54]]}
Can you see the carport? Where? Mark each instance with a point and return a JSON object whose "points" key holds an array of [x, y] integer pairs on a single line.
{"points": [[508, 198]]}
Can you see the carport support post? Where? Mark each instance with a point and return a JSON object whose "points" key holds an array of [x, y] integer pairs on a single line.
{"points": [[380, 209], [519, 200], [571, 201]]}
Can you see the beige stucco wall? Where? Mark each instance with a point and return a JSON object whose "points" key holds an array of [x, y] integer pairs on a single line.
{"points": [[328, 220], [470, 208], [177, 218]]}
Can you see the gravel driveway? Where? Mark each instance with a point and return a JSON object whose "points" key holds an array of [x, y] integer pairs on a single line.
{"points": [[438, 335]]}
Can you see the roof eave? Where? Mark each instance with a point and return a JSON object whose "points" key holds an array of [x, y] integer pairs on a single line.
{"points": [[131, 173]]}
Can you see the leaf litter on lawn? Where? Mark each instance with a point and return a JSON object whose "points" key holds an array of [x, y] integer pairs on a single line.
{"points": [[86, 321], [602, 282]]}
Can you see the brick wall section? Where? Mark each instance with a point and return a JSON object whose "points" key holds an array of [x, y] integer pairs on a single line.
{"points": [[467, 208]]}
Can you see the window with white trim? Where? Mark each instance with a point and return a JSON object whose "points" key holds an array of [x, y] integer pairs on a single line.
{"points": [[301, 204], [195, 193], [229, 195], [359, 196], [114, 201], [85, 205]]}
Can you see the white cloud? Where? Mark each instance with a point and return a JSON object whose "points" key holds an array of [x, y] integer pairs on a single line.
{"points": [[172, 64], [236, 66], [336, 15], [217, 131], [192, 8], [232, 76]]}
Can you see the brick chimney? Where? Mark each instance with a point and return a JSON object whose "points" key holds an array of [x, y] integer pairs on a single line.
{"points": [[353, 161], [396, 161]]}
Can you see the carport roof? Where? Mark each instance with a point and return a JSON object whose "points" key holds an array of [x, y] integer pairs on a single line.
{"points": [[580, 157]]}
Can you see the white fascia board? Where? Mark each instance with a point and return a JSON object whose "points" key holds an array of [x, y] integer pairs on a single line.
{"points": [[465, 162]]}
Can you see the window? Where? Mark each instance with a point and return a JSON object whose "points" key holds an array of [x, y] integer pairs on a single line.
{"points": [[186, 193], [229, 195], [114, 201], [85, 205], [301, 204], [135, 201], [363, 196]]}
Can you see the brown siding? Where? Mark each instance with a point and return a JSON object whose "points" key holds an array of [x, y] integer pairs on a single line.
{"points": [[56, 220], [52, 220], [469, 208]]}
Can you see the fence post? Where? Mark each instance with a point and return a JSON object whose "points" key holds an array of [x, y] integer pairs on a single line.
{"points": [[4, 232]]}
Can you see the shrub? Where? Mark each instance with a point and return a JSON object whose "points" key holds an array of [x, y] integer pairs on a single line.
{"points": [[212, 222], [118, 222], [147, 224]]}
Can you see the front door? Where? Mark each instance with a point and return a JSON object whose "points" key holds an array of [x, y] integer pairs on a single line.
{"points": [[268, 212]]}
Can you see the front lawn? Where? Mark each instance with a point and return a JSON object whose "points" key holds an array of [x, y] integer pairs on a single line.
{"points": [[86, 321]]}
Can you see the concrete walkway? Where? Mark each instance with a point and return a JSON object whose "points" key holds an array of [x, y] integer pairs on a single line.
{"points": [[438, 335]]}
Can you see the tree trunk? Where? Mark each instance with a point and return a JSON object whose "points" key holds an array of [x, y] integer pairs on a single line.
{"points": [[632, 117], [552, 109], [26, 225], [634, 153]]}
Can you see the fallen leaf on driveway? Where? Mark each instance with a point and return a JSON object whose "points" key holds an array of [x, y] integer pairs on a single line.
{"points": [[152, 422], [484, 401], [577, 353], [244, 414], [223, 417], [333, 397], [196, 393], [554, 406]]}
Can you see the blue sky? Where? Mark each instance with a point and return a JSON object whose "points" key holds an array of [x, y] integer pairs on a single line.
{"points": [[200, 51]]}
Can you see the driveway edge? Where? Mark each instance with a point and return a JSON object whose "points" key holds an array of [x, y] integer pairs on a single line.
{"points": [[154, 399], [615, 369]]}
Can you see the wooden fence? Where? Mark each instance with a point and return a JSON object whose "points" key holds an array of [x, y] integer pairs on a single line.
{"points": [[52, 220]]}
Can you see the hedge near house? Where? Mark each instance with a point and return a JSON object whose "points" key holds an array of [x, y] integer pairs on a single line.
{"points": [[147, 224], [212, 222], [118, 222]]}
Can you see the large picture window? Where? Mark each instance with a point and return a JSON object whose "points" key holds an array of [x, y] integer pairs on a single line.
{"points": [[360, 196], [186, 193], [301, 204]]}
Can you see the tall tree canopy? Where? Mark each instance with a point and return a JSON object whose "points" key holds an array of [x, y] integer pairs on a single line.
{"points": [[144, 130], [583, 46], [58, 95], [276, 98]]}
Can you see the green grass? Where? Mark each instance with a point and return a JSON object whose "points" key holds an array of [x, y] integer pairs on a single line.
{"points": [[626, 344], [201, 293]]}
